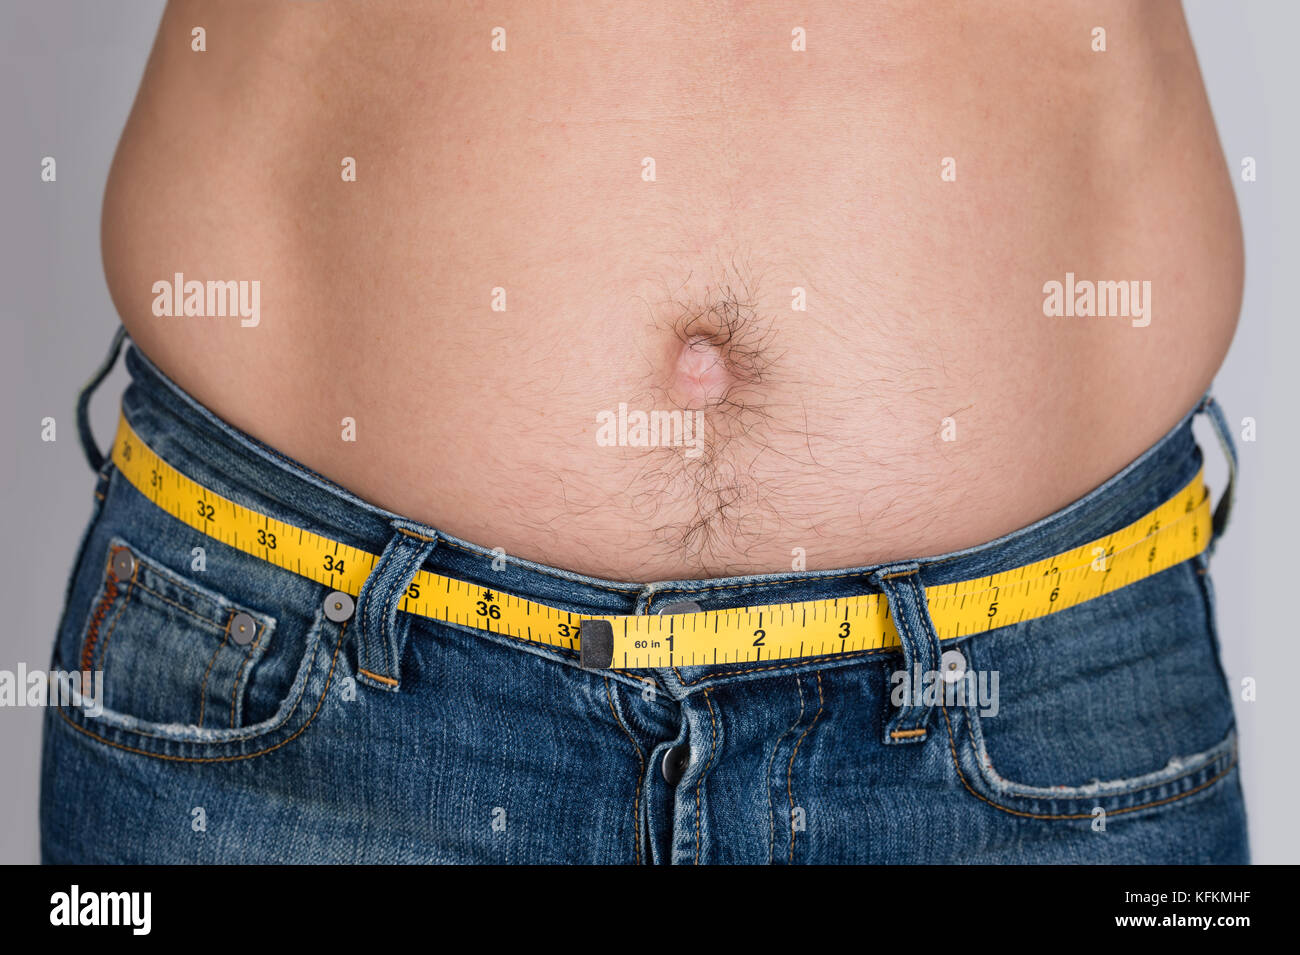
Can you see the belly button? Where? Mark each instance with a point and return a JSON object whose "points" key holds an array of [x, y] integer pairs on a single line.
{"points": [[701, 375]]}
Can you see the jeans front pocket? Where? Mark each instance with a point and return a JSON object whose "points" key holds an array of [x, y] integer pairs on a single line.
{"points": [[166, 649], [181, 671], [1114, 706]]}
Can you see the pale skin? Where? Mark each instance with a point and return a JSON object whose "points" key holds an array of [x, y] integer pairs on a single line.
{"points": [[774, 171]]}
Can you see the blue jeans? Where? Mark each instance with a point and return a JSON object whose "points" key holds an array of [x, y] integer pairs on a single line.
{"points": [[1103, 733]]}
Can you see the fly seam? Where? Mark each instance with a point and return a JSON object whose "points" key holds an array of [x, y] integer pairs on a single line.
{"points": [[789, 778], [771, 811], [713, 742], [636, 795]]}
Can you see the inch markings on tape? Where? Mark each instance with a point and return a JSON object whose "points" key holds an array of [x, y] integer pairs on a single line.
{"points": [[1173, 532]]}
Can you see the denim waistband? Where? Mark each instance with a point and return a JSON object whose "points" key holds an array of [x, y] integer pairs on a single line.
{"points": [[238, 466]]}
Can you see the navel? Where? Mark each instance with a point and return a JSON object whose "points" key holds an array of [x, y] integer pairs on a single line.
{"points": [[700, 377]]}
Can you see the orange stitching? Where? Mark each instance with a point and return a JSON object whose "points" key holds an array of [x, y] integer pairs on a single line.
{"points": [[375, 676], [193, 613], [130, 590], [403, 530], [98, 614], [103, 652], [240, 672], [1085, 815], [789, 776], [360, 641], [627, 673], [713, 742], [636, 796], [203, 687], [908, 639], [222, 759], [771, 815], [311, 666], [110, 594], [649, 681]]}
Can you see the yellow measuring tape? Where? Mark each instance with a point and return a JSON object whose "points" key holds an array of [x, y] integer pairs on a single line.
{"points": [[1174, 532]]}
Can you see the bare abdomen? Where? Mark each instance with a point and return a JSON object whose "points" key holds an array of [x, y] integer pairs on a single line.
{"points": [[851, 346]]}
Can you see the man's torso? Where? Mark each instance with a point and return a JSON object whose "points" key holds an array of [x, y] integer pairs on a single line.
{"points": [[828, 264]]}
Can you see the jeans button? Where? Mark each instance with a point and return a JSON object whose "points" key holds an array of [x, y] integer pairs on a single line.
{"points": [[952, 665], [675, 762], [123, 564], [242, 629], [339, 606]]}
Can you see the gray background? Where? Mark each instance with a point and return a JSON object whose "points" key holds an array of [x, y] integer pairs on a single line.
{"points": [[68, 73]]}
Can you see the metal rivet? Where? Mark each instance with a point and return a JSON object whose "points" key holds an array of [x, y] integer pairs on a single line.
{"points": [[339, 606], [243, 629], [682, 606], [952, 665], [676, 761], [123, 564]]}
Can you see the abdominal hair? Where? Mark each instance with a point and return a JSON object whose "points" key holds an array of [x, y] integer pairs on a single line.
{"points": [[727, 504]]}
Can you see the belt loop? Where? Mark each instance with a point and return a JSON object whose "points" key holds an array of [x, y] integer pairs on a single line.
{"points": [[911, 613], [381, 631], [1223, 431], [88, 445]]}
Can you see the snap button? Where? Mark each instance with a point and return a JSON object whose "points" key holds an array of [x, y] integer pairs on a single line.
{"points": [[242, 629], [123, 564], [952, 665], [676, 760], [681, 606], [339, 606]]}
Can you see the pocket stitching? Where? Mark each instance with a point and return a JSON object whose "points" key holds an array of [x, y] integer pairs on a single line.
{"points": [[121, 611], [203, 686], [107, 595], [232, 758], [110, 592], [264, 731], [952, 746], [207, 621], [225, 607], [1024, 791], [239, 674]]}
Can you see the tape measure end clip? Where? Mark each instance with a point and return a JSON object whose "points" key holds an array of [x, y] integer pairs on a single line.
{"points": [[596, 649]]}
